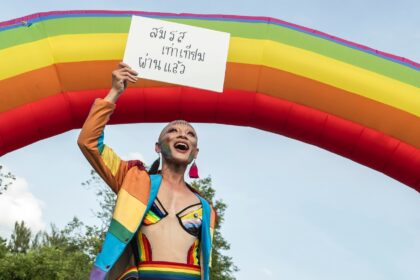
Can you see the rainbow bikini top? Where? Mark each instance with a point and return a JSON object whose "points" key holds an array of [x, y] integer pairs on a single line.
{"points": [[189, 221]]}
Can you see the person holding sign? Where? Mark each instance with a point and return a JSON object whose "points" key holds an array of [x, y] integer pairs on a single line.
{"points": [[161, 228]]}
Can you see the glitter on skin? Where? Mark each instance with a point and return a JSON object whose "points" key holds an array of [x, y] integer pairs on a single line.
{"points": [[166, 150], [167, 153]]}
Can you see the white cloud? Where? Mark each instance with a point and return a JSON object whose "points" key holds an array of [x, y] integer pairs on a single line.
{"points": [[19, 204]]}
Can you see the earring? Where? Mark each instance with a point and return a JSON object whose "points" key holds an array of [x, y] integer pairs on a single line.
{"points": [[155, 166], [193, 173]]}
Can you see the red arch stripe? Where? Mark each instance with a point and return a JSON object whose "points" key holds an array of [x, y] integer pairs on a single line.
{"points": [[60, 113]]}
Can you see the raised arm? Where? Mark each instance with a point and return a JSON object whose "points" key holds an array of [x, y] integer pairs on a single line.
{"points": [[91, 139]]}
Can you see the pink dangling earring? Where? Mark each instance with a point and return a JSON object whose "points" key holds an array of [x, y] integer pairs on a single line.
{"points": [[193, 173]]}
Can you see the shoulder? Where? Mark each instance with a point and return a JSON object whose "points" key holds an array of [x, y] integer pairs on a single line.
{"points": [[135, 169], [137, 181], [136, 163]]}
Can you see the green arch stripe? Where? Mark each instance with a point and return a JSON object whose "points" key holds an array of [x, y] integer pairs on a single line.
{"points": [[254, 30]]}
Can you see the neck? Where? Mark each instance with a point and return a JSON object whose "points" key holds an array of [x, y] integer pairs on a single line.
{"points": [[174, 174]]}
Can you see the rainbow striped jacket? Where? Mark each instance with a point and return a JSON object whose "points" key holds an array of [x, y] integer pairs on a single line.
{"points": [[136, 190]]}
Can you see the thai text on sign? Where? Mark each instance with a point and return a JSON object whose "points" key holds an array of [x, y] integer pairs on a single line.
{"points": [[177, 53]]}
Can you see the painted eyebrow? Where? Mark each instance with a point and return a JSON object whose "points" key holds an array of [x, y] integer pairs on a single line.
{"points": [[191, 130], [171, 128]]}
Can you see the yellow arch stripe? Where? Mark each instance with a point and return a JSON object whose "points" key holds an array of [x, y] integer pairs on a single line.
{"points": [[71, 48], [24, 58], [60, 49], [328, 71]]}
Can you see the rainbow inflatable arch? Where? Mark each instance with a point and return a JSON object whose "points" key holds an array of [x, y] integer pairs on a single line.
{"points": [[349, 99]]}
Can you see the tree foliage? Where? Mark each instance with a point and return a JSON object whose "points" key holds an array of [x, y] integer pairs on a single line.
{"points": [[56, 255], [6, 179], [105, 197], [3, 247], [20, 239]]}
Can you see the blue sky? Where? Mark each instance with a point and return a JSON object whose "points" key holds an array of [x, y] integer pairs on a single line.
{"points": [[295, 211]]}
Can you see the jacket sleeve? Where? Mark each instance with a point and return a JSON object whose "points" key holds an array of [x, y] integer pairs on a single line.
{"points": [[103, 159]]}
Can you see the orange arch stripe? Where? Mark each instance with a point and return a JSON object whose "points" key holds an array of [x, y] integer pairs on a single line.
{"points": [[92, 75]]}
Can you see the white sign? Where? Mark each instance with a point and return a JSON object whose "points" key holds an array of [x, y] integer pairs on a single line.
{"points": [[177, 53]]}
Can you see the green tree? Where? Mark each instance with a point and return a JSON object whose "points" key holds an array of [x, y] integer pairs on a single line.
{"points": [[6, 179], [20, 239], [105, 197], [3, 247], [95, 235], [45, 262], [56, 255]]}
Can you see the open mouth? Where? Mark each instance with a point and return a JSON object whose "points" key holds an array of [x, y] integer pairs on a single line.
{"points": [[181, 146]]}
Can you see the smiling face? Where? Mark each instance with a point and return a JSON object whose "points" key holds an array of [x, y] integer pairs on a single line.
{"points": [[178, 143]]}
